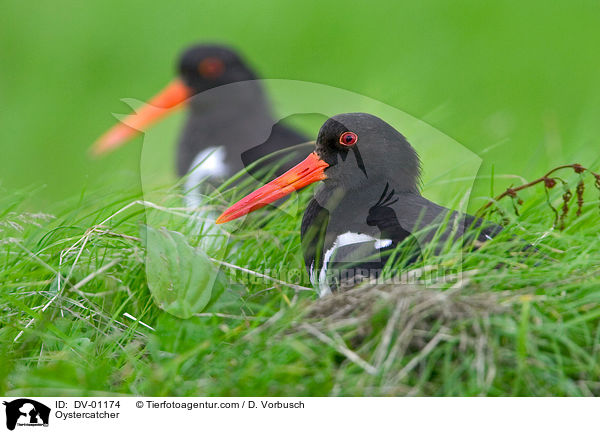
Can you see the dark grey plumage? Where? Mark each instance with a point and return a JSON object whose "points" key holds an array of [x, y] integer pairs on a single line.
{"points": [[230, 116]]}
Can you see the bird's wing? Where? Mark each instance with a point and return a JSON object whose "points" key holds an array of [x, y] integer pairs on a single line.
{"points": [[427, 220], [313, 232]]}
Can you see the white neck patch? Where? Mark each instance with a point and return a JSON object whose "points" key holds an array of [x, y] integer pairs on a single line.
{"points": [[210, 162], [343, 240]]}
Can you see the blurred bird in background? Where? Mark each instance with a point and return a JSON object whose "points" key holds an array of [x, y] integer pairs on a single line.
{"points": [[229, 122]]}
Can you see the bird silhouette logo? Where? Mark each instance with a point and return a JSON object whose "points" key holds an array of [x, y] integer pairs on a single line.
{"points": [[26, 412]]}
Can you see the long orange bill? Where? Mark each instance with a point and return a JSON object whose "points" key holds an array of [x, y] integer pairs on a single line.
{"points": [[308, 171], [158, 107]]}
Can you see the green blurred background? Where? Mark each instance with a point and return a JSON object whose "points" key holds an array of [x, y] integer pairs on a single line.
{"points": [[516, 82]]}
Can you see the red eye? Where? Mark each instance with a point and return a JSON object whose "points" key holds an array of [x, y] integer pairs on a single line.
{"points": [[211, 67], [348, 138]]}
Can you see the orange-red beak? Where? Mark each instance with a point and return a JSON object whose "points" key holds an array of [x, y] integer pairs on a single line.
{"points": [[308, 171], [158, 107]]}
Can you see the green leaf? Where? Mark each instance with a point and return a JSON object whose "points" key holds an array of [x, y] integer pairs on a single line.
{"points": [[181, 278]]}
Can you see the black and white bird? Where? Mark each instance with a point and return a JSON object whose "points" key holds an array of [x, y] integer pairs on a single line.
{"points": [[229, 122], [368, 204]]}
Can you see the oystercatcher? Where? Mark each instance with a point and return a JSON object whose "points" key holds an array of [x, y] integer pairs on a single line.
{"points": [[368, 205], [228, 126]]}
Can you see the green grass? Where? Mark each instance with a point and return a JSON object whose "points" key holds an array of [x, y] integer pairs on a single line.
{"points": [[516, 83], [513, 325]]}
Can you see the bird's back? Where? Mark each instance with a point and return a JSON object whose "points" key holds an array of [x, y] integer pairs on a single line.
{"points": [[345, 243]]}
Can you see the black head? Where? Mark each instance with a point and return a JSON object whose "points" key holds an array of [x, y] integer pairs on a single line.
{"points": [[354, 152], [362, 149], [205, 66]]}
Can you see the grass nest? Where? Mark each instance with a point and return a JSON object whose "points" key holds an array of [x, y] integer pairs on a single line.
{"points": [[391, 329]]}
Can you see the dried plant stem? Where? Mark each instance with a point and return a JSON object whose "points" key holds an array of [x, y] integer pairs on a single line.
{"points": [[549, 181]]}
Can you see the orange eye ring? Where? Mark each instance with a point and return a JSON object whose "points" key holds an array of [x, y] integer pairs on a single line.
{"points": [[348, 139]]}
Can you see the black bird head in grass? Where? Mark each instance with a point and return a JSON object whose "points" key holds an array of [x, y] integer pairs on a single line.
{"points": [[352, 151], [362, 149], [200, 68], [204, 67]]}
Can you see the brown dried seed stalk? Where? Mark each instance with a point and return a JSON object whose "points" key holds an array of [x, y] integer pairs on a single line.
{"points": [[549, 182], [579, 192], [565, 208]]}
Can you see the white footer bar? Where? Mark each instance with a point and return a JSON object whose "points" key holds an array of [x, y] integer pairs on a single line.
{"points": [[268, 414]]}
